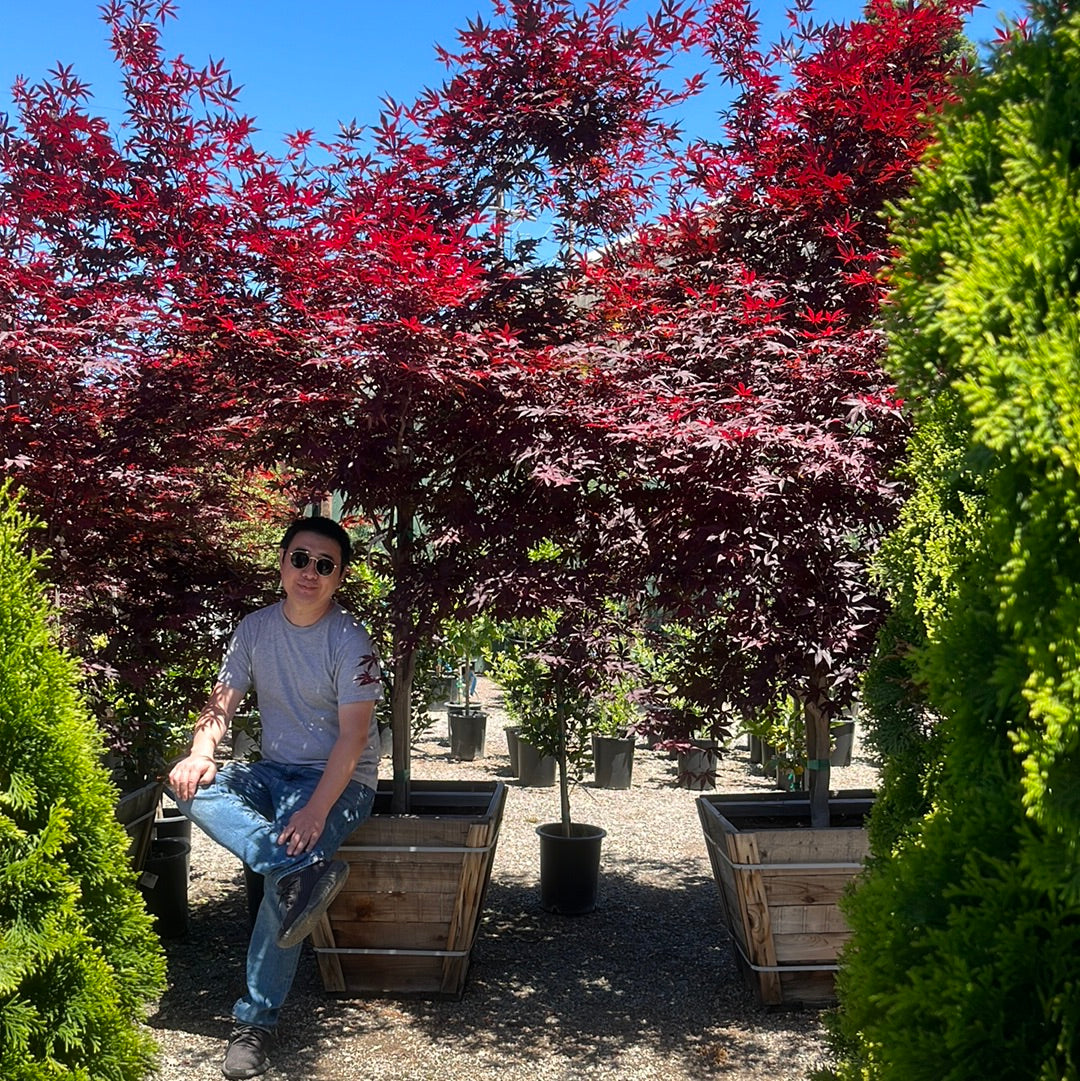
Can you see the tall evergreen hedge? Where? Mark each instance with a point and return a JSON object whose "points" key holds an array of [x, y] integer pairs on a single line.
{"points": [[79, 961], [965, 959]]}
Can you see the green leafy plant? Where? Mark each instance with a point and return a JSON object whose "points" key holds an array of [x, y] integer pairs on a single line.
{"points": [[563, 676], [147, 724], [780, 728], [688, 709], [79, 961], [467, 640], [966, 928]]}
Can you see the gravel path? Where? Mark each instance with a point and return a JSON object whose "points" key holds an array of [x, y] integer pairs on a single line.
{"points": [[643, 989]]}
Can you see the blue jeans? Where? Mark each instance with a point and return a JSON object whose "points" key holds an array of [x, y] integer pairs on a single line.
{"points": [[244, 810]]}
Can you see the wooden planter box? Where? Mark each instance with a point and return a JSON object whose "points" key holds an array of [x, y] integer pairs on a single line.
{"points": [[406, 921], [780, 882], [135, 812]]}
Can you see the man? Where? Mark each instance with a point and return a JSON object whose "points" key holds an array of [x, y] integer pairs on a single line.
{"points": [[316, 680]]}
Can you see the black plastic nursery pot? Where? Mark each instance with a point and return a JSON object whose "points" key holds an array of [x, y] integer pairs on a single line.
{"points": [[569, 867], [697, 768], [165, 885], [512, 747], [468, 734], [173, 824], [613, 761], [843, 740], [535, 770]]}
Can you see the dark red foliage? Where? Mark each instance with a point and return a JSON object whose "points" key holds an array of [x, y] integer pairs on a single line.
{"points": [[735, 362], [700, 410]]}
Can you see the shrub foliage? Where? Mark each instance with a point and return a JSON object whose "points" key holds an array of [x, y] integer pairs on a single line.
{"points": [[964, 958], [78, 958]]}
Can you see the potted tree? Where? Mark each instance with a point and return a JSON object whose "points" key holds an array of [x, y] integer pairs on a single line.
{"points": [[614, 735], [776, 495], [579, 657], [466, 721], [364, 333], [519, 674], [686, 719]]}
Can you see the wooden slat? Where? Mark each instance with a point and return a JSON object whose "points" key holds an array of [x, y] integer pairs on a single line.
{"points": [[396, 975], [807, 920], [402, 877], [402, 935], [804, 887], [833, 846], [808, 988], [808, 949], [756, 923], [408, 906], [329, 965], [372, 859], [408, 831]]}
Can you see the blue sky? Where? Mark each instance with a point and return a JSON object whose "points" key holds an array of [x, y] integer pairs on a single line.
{"points": [[308, 65]]}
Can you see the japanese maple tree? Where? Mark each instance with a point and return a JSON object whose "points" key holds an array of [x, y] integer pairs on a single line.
{"points": [[735, 361], [113, 417], [180, 308], [426, 335]]}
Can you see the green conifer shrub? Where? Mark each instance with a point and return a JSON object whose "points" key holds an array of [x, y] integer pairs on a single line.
{"points": [[79, 961], [965, 958]]}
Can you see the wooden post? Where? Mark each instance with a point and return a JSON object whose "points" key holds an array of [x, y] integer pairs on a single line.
{"points": [[757, 923]]}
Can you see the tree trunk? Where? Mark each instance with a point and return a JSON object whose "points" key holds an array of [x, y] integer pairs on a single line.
{"points": [[401, 726], [560, 754], [817, 717], [404, 638]]}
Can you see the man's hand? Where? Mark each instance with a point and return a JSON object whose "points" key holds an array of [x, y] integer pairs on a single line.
{"points": [[190, 774], [303, 830]]}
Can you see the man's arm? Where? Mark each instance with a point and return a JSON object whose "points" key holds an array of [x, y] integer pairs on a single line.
{"points": [[198, 767], [306, 825]]}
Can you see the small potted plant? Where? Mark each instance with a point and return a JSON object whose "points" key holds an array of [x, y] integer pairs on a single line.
{"points": [[685, 717], [578, 658], [467, 721], [520, 675], [779, 733], [613, 736], [144, 726]]}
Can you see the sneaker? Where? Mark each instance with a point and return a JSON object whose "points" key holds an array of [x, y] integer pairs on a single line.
{"points": [[305, 896], [248, 1053]]}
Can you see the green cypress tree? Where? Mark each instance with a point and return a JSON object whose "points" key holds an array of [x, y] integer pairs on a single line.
{"points": [[79, 961], [965, 958]]}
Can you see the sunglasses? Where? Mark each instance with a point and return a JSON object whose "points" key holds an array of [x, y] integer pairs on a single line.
{"points": [[323, 567]]}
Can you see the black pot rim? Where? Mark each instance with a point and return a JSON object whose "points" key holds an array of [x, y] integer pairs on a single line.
{"points": [[554, 830]]}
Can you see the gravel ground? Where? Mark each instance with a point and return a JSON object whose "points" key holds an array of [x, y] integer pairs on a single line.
{"points": [[643, 988]]}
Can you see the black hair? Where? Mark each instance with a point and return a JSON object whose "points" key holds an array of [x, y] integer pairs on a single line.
{"points": [[325, 527]]}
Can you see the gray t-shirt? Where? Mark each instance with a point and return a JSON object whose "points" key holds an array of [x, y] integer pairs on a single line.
{"points": [[301, 675]]}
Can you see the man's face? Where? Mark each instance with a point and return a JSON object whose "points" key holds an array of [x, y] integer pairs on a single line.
{"points": [[305, 585]]}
